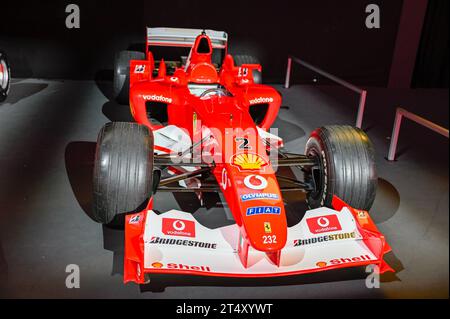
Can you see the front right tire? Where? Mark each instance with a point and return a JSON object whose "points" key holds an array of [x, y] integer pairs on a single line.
{"points": [[346, 167]]}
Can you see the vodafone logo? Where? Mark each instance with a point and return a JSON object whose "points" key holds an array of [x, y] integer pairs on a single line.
{"points": [[157, 98], [324, 224], [225, 180], [255, 182], [261, 100], [178, 227]]}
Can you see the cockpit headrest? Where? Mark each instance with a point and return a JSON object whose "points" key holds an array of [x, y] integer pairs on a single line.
{"points": [[200, 68]]}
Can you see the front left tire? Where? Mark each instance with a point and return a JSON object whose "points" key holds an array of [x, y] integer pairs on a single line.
{"points": [[123, 171]]}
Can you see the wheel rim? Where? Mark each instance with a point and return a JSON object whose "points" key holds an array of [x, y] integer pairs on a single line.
{"points": [[4, 75], [317, 175]]}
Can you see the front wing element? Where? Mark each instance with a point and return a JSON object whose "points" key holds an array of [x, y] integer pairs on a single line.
{"points": [[174, 242]]}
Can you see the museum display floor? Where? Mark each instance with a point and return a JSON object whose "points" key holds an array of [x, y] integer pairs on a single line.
{"points": [[48, 130]]}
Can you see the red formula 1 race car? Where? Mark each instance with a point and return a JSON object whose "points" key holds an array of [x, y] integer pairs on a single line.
{"points": [[5, 77], [203, 125]]}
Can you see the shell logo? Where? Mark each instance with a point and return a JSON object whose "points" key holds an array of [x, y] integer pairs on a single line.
{"points": [[321, 264], [248, 161], [157, 265]]}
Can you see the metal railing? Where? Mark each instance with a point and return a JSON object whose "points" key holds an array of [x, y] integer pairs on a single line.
{"points": [[361, 92], [399, 114]]}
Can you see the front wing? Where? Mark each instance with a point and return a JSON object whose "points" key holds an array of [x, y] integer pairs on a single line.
{"points": [[174, 242]]}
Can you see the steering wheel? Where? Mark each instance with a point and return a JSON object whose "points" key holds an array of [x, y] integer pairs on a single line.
{"points": [[216, 91]]}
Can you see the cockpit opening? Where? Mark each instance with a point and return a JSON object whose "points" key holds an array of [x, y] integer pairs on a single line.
{"points": [[204, 46], [206, 90]]}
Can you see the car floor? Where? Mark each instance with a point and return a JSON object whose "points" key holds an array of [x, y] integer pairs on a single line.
{"points": [[48, 131]]}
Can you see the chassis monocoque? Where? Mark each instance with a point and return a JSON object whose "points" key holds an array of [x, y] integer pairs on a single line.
{"points": [[204, 126]]}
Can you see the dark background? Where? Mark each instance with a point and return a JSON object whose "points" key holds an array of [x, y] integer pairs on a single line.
{"points": [[432, 57], [331, 34]]}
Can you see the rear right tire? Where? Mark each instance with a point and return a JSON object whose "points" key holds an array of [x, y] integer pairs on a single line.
{"points": [[241, 59], [123, 170]]}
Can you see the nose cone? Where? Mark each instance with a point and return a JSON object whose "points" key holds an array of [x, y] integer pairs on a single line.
{"points": [[261, 208], [250, 186]]}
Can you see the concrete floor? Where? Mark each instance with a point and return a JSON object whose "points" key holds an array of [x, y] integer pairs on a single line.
{"points": [[47, 139]]}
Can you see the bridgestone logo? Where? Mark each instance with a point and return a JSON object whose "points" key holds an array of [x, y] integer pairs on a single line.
{"points": [[157, 98], [310, 241], [261, 100], [181, 242]]}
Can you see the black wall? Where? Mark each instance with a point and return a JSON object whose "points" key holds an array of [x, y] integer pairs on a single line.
{"points": [[329, 33], [432, 57]]}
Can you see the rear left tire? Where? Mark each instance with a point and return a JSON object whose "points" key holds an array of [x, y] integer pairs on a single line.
{"points": [[121, 80]]}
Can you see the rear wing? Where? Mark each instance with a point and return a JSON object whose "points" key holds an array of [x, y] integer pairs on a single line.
{"points": [[177, 37]]}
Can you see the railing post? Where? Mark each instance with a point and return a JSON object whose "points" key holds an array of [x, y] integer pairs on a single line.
{"points": [[288, 73], [361, 108], [395, 134]]}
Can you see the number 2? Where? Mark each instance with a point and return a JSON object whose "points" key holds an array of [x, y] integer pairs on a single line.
{"points": [[244, 143]]}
